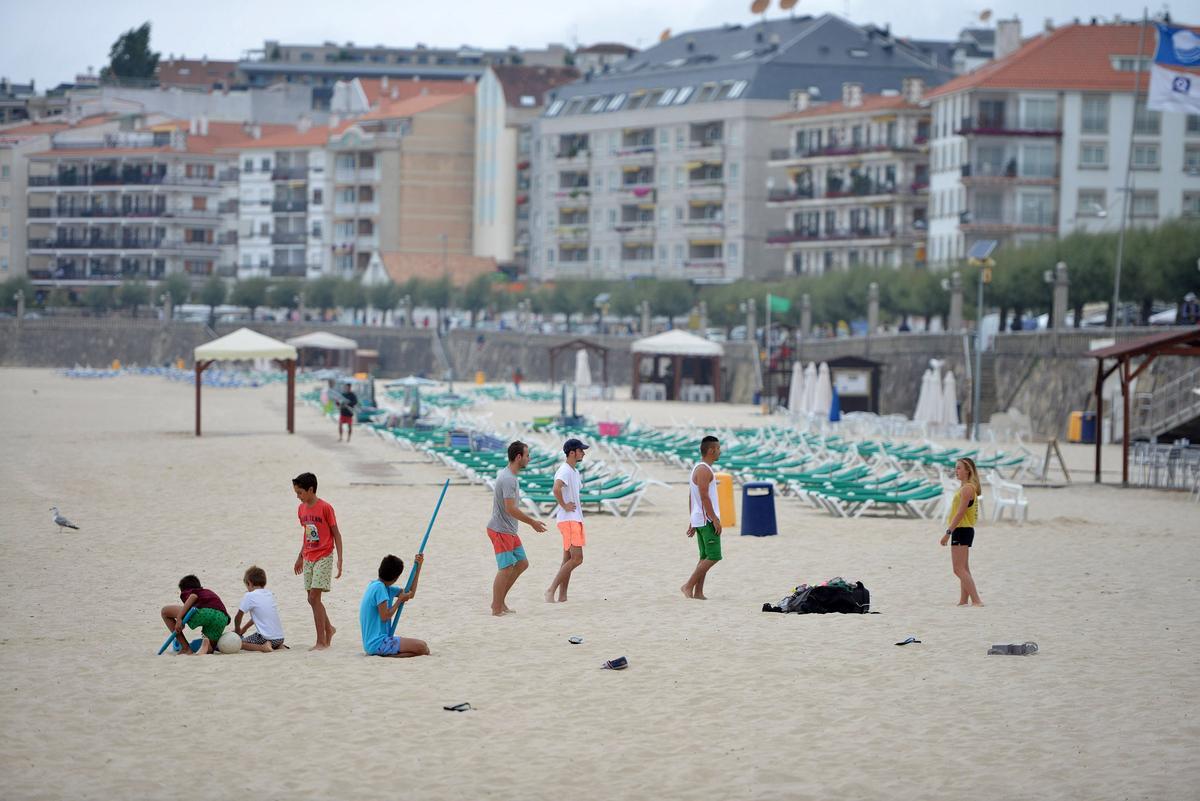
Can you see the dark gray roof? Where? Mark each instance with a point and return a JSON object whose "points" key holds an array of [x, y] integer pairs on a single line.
{"points": [[775, 57]]}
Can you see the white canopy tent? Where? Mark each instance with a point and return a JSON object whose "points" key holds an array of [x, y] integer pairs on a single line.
{"points": [[245, 345], [322, 340], [686, 353], [321, 348]]}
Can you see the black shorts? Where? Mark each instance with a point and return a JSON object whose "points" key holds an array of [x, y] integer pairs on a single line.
{"points": [[962, 536]]}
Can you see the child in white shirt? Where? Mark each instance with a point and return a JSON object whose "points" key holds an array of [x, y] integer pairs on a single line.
{"points": [[259, 603]]}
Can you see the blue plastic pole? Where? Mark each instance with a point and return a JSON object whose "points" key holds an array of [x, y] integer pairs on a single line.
{"points": [[412, 574], [167, 644]]}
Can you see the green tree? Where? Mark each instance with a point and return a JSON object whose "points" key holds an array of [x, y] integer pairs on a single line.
{"points": [[285, 294], [351, 294], [251, 293], [438, 295], [132, 295], [385, 297], [180, 287], [131, 57], [477, 295], [322, 293], [59, 298], [10, 288], [212, 295], [99, 299], [673, 298]]}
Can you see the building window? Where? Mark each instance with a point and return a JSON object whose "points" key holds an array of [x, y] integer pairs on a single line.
{"points": [[1191, 159], [4, 173], [732, 211], [731, 253], [1147, 122], [1193, 124], [733, 171], [1095, 114], [679, 254], [3, 233], [266, 165], [248, 165], [988, 208], [549, 255], [1093, 155], [1191, 204], [1145, 157], [1091, 203], [1145, 205], [1038, 161], [3, 201]]}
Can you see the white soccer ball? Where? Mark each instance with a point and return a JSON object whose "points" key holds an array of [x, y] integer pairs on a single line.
{"points": [[229, 643]]}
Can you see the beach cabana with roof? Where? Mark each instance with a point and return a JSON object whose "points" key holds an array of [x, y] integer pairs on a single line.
{"points": [[680, 363], [245, 345], [323, 349]]}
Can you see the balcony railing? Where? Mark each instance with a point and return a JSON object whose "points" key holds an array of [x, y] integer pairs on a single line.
{"points": [[1006, 173], [227, 207], [103, 243], [830, 151], [289, 205], [279, 270], [996, 126], [228, 238], [787, 195], [289, 173], [811, 235], [119, 180], [288, 238], [229, 176]]}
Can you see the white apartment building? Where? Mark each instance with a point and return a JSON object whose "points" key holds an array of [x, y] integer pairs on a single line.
{"points": [[658, 167], [132, 204], [507, 102], [853, 184], [1036, 145]]}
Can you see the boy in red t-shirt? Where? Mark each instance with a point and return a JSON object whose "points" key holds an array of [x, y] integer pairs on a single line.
{"points": [[321, 537]]}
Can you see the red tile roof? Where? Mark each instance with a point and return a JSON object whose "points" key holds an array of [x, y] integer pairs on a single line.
{"points": [[396, 109], [870, 104], [291, 137], [221, 137], [531, 81], [401, 89], [1074, 57], [53, 126]]}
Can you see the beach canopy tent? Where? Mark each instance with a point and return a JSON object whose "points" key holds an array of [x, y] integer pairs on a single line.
{"points": [[323, 349], [579, 345], [244, 345], [1122, 354], [674, 358]]}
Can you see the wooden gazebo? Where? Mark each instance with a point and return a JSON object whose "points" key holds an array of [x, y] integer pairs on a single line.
{"points": [[243, 345], [579, 344], [1184, 342]]}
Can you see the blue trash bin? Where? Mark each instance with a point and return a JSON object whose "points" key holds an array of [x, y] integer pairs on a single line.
{"points": [[758, 509], [1088, 429]]}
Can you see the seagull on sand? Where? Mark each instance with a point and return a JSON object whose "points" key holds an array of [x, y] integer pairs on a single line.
{"points": [[61, 521]]}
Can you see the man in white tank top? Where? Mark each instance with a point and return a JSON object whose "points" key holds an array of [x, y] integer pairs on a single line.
{"points": [[705, 522]]}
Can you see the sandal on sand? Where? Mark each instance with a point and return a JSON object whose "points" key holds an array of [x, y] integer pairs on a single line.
{"points": [[620, 663], [575, 640], [463, 707], [908, 641]]}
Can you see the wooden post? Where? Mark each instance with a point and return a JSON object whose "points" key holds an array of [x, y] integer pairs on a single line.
{"points": [[678, 365], [201, 366], [291, 396], [637, 364], [716, 362], [1125, 422]]}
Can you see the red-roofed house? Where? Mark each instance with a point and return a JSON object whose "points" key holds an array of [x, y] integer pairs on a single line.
{"points": [[1036, 144], [852, 184], [509, 100]]}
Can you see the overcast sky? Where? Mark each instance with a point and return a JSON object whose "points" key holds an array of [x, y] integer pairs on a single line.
{"points": [[53, 40]]}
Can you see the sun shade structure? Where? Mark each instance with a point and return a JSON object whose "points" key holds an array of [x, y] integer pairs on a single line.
{"points": [[579, 345], [1171, 343], [323, 340], [675, 355], [243, 345], [321, 348]]}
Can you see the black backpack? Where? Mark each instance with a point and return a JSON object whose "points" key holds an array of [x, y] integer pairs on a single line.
{"points": [[825, 599]]}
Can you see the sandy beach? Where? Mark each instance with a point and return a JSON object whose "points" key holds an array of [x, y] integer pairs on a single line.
{"points": [[721, 701]]}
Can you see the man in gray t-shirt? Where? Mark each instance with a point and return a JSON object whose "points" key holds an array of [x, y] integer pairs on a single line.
{"points": [[502, 527]]}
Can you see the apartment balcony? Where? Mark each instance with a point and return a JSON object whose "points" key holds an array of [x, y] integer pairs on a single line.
{"points": [[573, 254], [97, 276], [844, 235], [229, 175], [578, 233], [996, 126], [365, 175], [785, 196], [640, 154], [227, 207], [784, 156], [289, 206], [288, 238], [356, 208], [994, 174], [705, 268], [227, 238], [114, 214], [281, 270], [117, 245], [1043, 225], [226, 270], [573, 196], [289, 174], [642, 231], [366, 242]]}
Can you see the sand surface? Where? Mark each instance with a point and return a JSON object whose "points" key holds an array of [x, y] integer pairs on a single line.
{"points": [[721, 701]]}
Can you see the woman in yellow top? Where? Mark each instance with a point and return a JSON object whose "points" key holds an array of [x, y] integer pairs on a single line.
{"points": [[960, 530]]}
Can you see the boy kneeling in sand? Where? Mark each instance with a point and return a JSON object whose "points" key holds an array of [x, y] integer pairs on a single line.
{"points": [[259, 603], [375, 613], [210, 615]]}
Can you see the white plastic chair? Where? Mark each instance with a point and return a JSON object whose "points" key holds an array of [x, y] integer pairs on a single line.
{"points": [[1007, 495]]}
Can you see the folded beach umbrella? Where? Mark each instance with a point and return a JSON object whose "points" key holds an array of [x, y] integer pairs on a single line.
{"points": [[583, 371], [824, 393], [920, 414], [808, 403], [949, 400], [796, 390]]}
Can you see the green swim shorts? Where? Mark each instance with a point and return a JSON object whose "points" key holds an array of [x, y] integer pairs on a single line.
{"points": [[710, 542], [211, 622]]}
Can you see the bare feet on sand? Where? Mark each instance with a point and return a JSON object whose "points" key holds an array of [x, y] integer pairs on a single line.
{"points": [[319, 647], [549, 596]]}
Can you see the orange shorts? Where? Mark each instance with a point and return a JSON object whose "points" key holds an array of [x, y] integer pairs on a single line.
{"points": [[572, 534]]}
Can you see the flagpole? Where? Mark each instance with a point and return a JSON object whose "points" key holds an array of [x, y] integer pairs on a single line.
{"points": [[1126, 189]]}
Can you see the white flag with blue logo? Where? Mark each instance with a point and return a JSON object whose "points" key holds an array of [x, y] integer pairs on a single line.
{"points": [[1174, 79]]}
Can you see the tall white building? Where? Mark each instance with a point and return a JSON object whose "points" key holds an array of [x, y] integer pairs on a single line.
{"points": [[1036, 144]]}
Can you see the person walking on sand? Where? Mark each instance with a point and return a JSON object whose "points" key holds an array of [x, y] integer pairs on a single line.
{"points": [[320, 537], [502, 528], [960, 529], [705, 523], [347, 408], [568, 486]]}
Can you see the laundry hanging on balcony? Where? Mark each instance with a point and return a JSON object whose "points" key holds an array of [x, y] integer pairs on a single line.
{"points": [[642, 191]]}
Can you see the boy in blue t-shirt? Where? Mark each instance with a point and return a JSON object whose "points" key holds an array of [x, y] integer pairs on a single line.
{"points": [[376, 611]]}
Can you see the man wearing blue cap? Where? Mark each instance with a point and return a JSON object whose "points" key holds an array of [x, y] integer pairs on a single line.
{"points": [[567, 486]]}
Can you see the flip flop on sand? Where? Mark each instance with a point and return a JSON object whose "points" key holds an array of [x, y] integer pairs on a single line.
{"points": [[463, 707], [575, 640], [908, 641], [620, 663]]}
